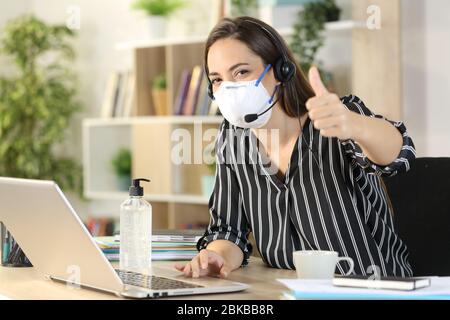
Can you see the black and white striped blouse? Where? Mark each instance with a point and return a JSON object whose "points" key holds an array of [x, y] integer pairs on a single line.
{"points": [[341, 207]]}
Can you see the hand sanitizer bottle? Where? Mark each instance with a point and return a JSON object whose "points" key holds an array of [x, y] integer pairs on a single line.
{"points": [[136, 231]]}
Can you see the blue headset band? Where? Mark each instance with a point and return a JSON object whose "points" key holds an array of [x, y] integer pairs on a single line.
{"points": [[273, 94], [260, 79], [262, 74]]}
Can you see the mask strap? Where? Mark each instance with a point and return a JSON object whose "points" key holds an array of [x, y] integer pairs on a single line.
{"points": [[274, 91], [262, 74]]}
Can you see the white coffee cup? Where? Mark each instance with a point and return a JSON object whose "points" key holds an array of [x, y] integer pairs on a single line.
{"points": [[317, 264]]}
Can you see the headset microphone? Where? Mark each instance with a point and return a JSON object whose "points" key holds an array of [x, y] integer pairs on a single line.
{"points": [[251, 117], [254, 116]]}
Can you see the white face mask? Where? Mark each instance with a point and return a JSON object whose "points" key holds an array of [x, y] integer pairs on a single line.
{"points": [[238, 99]]}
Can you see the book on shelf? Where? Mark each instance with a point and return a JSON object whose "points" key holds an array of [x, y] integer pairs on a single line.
{"points": [[116, 95], [109, 96], [191, 99], [192, 96], [182, 92], [129, 99], [118, 99], [203, 99]]}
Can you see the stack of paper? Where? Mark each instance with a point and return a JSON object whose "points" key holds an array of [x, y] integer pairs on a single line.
{"points": [[164, 247], [324, 289]]}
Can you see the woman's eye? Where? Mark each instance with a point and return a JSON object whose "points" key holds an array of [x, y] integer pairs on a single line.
{"points": [[237, 75], [242, 72]]}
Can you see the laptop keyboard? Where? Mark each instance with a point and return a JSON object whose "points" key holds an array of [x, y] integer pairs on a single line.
{"points": [[153, 282]]}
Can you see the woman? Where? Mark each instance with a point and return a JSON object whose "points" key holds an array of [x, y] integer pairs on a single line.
{"points": [[329, 154]]}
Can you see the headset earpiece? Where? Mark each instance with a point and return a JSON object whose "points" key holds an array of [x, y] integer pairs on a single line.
{"points": [[284, 70]]}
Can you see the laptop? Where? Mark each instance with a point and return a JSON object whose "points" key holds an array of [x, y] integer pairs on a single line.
{"points": [[55, 240]]}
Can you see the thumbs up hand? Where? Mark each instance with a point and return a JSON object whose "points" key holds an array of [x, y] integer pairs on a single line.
{"points": [[327, 112]]}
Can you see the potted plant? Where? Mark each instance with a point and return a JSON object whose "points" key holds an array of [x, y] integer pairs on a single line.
{"points": [[37, 103], [208, 180], [158, 12], [244, 8], [308, 37], [159, 94], [121, 163]]}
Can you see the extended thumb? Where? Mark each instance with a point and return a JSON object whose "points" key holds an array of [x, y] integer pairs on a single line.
{"points": [[316, 82]]}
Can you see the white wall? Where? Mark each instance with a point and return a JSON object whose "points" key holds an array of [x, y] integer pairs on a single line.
{"points": [[426, 74], [10, 9]]}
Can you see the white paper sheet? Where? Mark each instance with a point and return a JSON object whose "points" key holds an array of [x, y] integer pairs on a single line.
{"points": [[440, 286]]}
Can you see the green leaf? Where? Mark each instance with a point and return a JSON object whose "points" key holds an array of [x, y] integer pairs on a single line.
{"points": [[36, 105], [308, 30], [121, 162], [158, 7]]}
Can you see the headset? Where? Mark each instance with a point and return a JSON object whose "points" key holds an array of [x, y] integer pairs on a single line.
{"points": [[284, 68]]}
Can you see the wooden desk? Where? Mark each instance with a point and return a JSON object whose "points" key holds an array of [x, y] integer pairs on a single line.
{"points": [[27, 283]]}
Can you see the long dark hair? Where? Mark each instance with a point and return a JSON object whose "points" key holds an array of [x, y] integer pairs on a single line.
{"points": [[297, 90]]}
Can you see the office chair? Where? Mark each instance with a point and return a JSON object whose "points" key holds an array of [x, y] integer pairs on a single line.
{"points": [[421, 201]]}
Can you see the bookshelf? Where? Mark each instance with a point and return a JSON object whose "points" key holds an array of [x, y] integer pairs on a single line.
{"points": [[175, 190]]}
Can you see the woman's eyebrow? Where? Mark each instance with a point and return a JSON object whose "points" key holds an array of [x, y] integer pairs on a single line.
{"points": [[231, 68]]}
